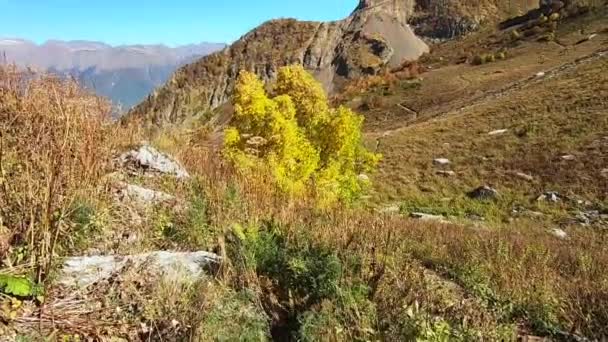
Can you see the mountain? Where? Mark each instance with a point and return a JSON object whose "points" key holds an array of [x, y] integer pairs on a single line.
{"points": [[379, 34], [375, 35], [125, 74]]}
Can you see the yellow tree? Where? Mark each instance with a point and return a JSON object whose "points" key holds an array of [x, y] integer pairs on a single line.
{"points": [[298, 137]]}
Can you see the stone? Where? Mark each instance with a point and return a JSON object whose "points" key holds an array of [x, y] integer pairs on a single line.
{"points": [[441, 162], [84, 271], [498, 132], [604, 173], [363, 178], [428, 217], [148, 159], [446, 173], [568, 157], [141, 195], [483, 193], [550, 196], [540, 74], [524, 176], [589, 217], [559, 233]]}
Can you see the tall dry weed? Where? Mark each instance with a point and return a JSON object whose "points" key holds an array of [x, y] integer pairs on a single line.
{"points": [[53, 150]]}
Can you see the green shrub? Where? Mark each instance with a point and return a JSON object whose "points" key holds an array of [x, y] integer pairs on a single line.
{"points": [[309, 273], [310, 286]]}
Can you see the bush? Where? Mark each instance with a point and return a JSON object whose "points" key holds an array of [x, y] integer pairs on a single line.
{"points": [[307, 289], [53, 149], [303, 142]]}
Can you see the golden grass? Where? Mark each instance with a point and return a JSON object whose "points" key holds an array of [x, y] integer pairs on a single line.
{"points": [[53, 150]]}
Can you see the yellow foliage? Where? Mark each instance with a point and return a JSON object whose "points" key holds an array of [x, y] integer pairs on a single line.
{"points": [[297, 137]]}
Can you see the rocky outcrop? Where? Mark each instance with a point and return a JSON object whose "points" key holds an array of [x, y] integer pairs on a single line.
{"points": [[146, 159], [84, 271], [376, 35]]}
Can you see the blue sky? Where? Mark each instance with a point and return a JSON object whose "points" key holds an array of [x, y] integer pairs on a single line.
{"points": [[171, 22]]}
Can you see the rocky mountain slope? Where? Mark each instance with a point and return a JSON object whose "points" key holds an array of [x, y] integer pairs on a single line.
{"points": [[378, 34], [125, 74]]}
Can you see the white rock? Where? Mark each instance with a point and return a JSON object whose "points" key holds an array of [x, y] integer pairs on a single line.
{"points": [[524, 176], [559, 233], [550, 196], [428, 217], [84, 271], [446, 173], [148, 158], [540, 74], [142, 195], [498, 132], [568, 157], [441, 161]]}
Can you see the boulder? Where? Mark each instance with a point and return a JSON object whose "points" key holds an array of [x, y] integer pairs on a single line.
{"points": [[446, 173], [441, 162], [141, 195], [483, 193], [550, 196], [559, 233], [148, 159], [83, 271]]}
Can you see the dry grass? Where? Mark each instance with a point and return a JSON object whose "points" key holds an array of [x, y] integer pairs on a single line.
{"points": [[450, 83], [565, 115], [53, 150]]}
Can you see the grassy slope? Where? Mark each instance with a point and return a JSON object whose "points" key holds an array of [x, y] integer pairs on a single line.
{"points": [[458, 104]]}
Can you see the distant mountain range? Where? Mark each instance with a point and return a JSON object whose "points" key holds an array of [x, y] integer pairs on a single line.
{"points": [[124, 74]]}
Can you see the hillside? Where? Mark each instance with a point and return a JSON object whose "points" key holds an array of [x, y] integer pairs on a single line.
{"points": [[124, 74], [378, 35], [374, 36], [485, 220]]}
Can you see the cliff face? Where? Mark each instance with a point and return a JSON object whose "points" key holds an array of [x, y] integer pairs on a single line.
{"points": [[375, 35]]}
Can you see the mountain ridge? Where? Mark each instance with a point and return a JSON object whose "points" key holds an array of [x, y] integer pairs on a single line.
{"points": [[375, 35], [125, 74], [378, 34]]}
